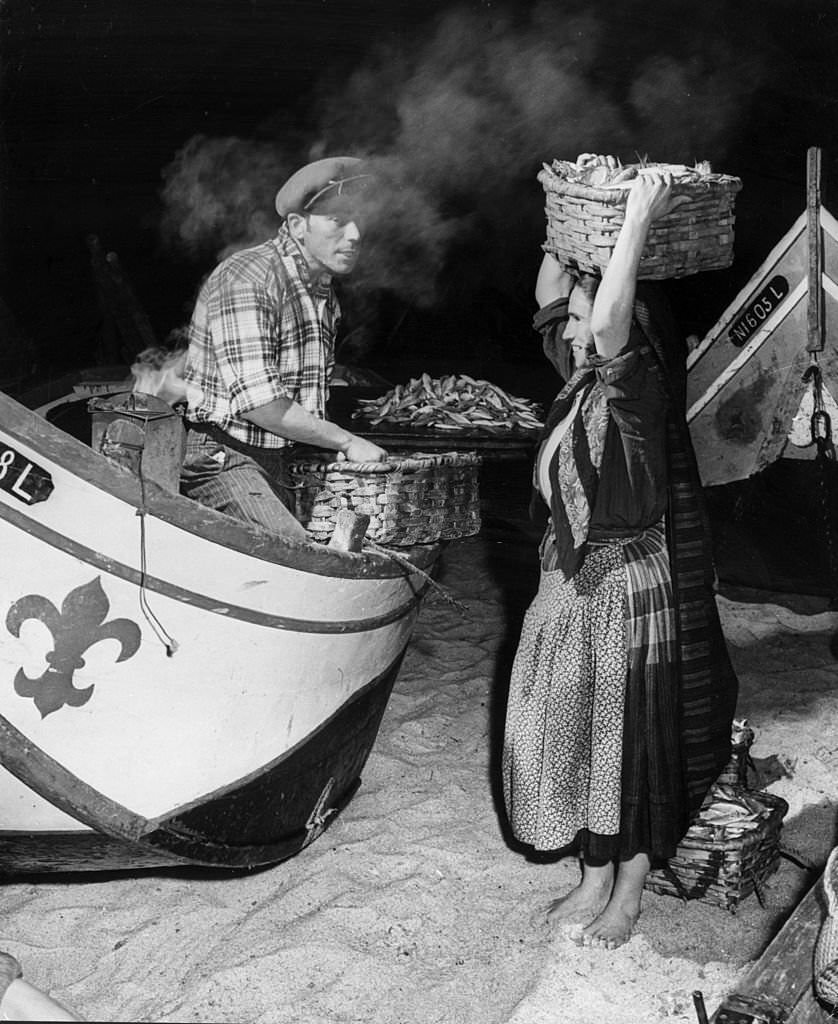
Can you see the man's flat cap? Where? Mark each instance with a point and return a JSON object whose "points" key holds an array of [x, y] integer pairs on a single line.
{"points": [[323, 186]]}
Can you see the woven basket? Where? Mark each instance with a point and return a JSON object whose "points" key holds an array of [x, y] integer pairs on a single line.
{"points": [[583, 222], [826, 947], [721, 865], [412, 499]]}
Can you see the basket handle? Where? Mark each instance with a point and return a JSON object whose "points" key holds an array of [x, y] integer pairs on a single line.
{"points": [[616, 195], [390, 466]]}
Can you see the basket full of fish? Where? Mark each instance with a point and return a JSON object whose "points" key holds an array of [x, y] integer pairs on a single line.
{"points": [[729, 850], [733, 844], [585, 205], [453, 404]]}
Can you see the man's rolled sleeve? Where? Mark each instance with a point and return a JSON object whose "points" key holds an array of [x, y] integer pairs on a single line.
{"points": [[247, 350], [249, 393]]}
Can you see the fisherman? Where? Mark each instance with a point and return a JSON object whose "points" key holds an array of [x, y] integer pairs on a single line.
{"points": [[261, 351]]}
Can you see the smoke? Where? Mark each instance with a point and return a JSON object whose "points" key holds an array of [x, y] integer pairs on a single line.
{"points": [[159, 371], [702, 104], [219, 193], [457, 123]]}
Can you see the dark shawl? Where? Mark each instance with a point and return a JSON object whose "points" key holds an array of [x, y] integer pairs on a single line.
{"points": [[708, 682]]}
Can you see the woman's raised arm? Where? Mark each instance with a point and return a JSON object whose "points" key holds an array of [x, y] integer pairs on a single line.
{"points": [[650, 197]]}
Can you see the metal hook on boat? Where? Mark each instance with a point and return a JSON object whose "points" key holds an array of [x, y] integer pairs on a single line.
{"points": [[822, 433], [319, 817]]}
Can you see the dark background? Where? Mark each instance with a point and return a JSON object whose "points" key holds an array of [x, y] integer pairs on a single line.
{"points": [[165, 127]]}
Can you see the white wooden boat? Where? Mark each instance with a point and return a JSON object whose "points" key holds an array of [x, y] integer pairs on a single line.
{"points": [[771, 360], [176, 687]]}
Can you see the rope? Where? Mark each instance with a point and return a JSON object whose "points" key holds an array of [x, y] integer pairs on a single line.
{"points": [[821, 427], [405, 563], [157, 626]]}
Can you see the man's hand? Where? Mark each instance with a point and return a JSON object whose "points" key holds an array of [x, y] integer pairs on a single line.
{"points": [[287, 418], [361, 450]]}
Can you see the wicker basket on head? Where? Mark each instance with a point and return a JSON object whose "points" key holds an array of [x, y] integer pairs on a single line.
{"points": [[413, 499], [583, 221]]}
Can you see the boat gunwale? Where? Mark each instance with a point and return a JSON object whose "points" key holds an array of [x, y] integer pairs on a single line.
{"points": [[201, 600], [32, 430]]}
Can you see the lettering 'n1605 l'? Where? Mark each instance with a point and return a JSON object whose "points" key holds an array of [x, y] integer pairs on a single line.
{"points": [[24, 479], [758, 311]]}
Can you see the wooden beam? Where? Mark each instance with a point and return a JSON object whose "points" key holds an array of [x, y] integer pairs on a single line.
{"points": [[350, 530], [778, 989], [814, 317], [126, 321]]}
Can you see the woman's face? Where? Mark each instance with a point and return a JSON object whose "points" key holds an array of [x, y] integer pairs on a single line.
{"points": [[578, 328]]}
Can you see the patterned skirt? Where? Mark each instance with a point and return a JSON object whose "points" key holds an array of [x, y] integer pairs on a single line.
{"points": [[592, 753]]}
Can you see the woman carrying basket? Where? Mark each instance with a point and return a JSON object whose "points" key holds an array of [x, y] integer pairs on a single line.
{"points": [[622, 692]]}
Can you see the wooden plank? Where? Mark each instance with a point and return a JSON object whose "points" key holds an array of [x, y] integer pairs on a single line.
{"points": [[814, 320], [36, 853], [350, 529], [778, 987]]}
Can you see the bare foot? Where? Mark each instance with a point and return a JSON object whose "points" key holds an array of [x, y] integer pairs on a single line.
{"points": [[580, 907], [612, 928]]}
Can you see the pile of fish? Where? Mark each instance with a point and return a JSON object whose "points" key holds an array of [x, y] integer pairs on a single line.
{"points": [[729, 811], [615, 174], [452, 402]]}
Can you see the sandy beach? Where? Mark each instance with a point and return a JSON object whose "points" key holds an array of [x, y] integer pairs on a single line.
{"points": [[414, 907]]}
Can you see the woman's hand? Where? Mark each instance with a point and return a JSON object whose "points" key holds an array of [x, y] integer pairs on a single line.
{"points": [[596, 160], [650, 197]]}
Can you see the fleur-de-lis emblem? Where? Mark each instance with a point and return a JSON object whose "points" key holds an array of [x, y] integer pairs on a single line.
{"points": [[79, 625]]}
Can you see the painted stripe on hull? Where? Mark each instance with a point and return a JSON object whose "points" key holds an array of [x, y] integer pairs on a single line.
{"points": [[190, 597], [52, 781], [259, 820]]}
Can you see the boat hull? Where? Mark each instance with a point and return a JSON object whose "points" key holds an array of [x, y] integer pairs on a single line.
{"points": [[176, 687], [254, 822]]}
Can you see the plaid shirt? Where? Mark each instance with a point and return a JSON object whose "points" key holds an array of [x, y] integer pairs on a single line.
{"points": [[262, 329]]}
